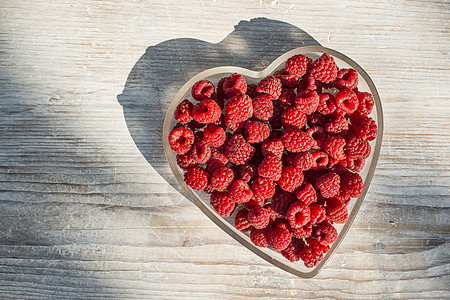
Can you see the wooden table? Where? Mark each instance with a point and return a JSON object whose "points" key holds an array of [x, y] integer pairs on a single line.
{"points": [[86, 210]]}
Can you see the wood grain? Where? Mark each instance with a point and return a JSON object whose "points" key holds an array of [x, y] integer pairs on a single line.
{"points": [[84, 215]]}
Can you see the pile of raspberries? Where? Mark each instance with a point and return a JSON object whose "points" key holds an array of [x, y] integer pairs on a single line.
{"points": [[283, 155]]}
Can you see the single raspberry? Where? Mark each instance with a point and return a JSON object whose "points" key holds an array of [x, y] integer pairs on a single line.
{"points": [[262, 107], [217, 160], [318, 213], [238, 151], [291, 178], [312, 254], [337, 211], [308, 82], [303, 161], [184, 161], [251, 91], [292, 250], [318, 135], [200, 152], [232, 124], [271, 167], [325, 233], [324, 68], [272, 214], [275, 120], [256, 131], [206, 111], [202, 89], [196, 178], [240, 192], [337, 126], [297, 65], [334, 146], [366, 129], [259, 237], [320, 161], [307, 195], [298, 214], [214, 135], [346, 79], [344, 198], [287, 97], [281, 202], [366, 103], [263, 188], [296, 140], [317, 119], [292, 117], [181, 140], [258, 217], [352, 185], [307, 101], [271, 86], [287, 80], [222, 178], [239, 108], [327, 104], [247, 172], [357, 148], [347, 101], [222, 203], [183, 113], [303, 232], [240, 220], [328, 184], [355, 165], [279, 238], [272, 146], [234, 85]]}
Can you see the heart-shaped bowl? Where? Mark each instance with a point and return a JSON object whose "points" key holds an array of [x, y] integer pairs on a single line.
{"points": [[201, 199]]}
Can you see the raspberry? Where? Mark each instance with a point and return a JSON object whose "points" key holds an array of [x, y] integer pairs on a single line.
{"points": [[366, 103], [318, 135], [366, 129], [238, 151], [337, 211], [262, 107], [307, 195], [337, 126], [291, 251], [282, 223], [271, 167], [325, 233], [312, 254], [181, 140], [297, 65], [281, 202], [240, 192], [279, 238], [327, 104], [247, 172], [251, 91], [334, 146], [303, 232], [287, 97], [196, 178], [222, 203], [258, 217], [234, 85], [272, 214], [184, 161], [320, 160], [272, 146], [291, 178], [271, 86], [308, 82], [318, 213], [357, 148], [307, 101], [293, 118], [298, 214], [324, 69], [200, 152], [239, 108], [287, 80], [220, 94], [232, 124], [355, 165], [214, 135], [346, 78], [296, 140], [347, 101], [217, 160], [202, 89], [317, 119], [328, 184], [206, 111], [254, 202], [263, 188], [303, 161], [352, 185], [275, 120], [183, 113], [256, 131], [259, 237], [240, 220], [222, 178]]}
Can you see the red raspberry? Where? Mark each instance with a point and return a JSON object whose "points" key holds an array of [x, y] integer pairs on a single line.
{"points": [[275, 120], [259, 237], [324, 68], [298, 214], [337, 126], [256, 131], [254, 202], [263, 188], [272, 146], [271, 86], [262, 107], [217, 160], [281, 202], [328, 184], [220, 94], [355, 165], [206, 111], [357, 148], [292, 250], [303, 161], [247, 172], [318, 213], [312, 254], [307, 195], [234, 85], [346, 78], [318, 135], [240, 192], [202, 89], [317, 119], [307, 101], [251, 91], [200, 152], [293, 118], [334, 146], [222, 178], [184, 161], [297, 65], [336, 211], [303, 232], [366, 129], [183, 113], [327, 104], [232, 124], [273, 214], [258, 217], [222, 203], [296, 140], [238, 151], [240, 220], [196, 178], [366, 103], [181, 140], [279, 238], [291, 178], [320, 161], [214, 135], [308, 82], [325, 233], [287, 80], [287, 97], [352, 185], [239, 108], [271, 167], [347, 101], [282, 223]]}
